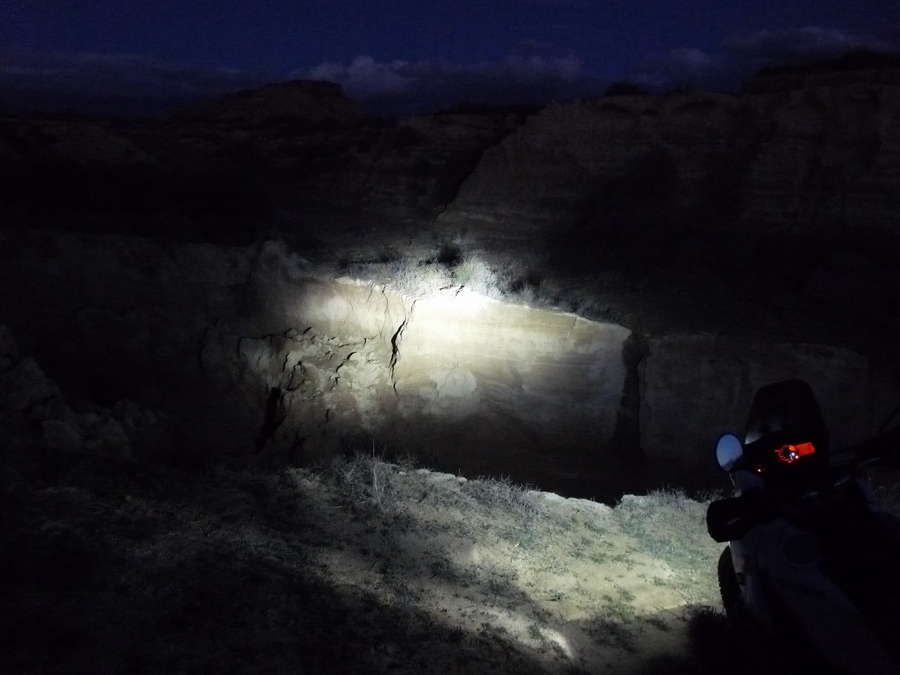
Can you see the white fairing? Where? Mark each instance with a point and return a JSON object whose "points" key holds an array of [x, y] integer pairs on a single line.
{"points": [[833, 625]]}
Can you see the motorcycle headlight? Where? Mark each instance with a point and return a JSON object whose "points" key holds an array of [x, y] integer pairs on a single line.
{"points": [[801, 548]]}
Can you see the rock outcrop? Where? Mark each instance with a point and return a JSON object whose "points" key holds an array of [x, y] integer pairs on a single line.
{"points": [[34, 415], [227, 179], [477, 370], [716, 241], [818, 156], [247, 351], [821, 158]]}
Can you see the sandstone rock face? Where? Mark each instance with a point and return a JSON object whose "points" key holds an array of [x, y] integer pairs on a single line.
{"points": [[479, 370], [310, 364], [455, 379], [252, 348], [246, 350], [412, 172], [823, 157]]}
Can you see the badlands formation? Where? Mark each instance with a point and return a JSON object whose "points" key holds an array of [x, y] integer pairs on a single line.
{"points": [[279, 279]]}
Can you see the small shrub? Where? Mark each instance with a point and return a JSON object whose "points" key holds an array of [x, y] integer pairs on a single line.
{"points": [[548, 292], [365, 481], [415, 279], [504, 495], [524, 283], [477, 276], [521, 511]]}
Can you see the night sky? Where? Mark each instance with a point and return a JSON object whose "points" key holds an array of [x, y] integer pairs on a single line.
{"points": [[398, 56]]}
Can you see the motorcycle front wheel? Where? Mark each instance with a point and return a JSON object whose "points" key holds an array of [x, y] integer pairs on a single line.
{"points": [[728, 587]]}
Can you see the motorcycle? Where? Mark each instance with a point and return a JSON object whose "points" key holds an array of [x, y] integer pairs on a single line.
{"points": [[812, 566]]}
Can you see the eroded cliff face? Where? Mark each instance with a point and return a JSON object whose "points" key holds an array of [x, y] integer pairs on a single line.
{"points": [[819, 155], [250, 353], [510, 386], [822, 157], [719, 241], [247, 352], [255, 164]]}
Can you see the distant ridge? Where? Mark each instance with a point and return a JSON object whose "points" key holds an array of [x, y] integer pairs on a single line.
{"points": [[308, 100], [865, 66]]}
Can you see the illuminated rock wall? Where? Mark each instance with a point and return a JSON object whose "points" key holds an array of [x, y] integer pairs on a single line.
{"points": [[507, 384], [454, 379], [249, 353]]}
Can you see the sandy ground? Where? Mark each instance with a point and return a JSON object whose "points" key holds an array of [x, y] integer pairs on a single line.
{"points": [[363, 566], [572, 583]]}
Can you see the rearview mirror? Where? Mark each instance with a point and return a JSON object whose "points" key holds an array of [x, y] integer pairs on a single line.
{"points": [[729, 450]]}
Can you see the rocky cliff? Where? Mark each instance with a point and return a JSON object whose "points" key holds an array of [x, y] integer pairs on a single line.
{"points": [[227, 178], [245, 350], [711, 243], [821, 158], [248, 352]]}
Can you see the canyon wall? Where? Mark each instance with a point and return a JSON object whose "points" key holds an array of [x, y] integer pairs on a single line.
{"points": [[253, 164], [819, 156], [715, 242], [822, 157], [249, 354]]}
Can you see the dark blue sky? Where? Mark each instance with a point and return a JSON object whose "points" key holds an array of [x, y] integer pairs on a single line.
{"points": [[413, 54]]}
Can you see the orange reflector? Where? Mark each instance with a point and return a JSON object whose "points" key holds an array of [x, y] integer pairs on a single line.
{"points": [[803, 449]]}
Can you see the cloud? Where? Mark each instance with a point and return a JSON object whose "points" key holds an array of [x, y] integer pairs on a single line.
{"points": [[409, 87], [803, 44], [690, 58], [537, 68], [93, 83], [533, 73], [682, 66], [129, 84], [364, 77], [741, 56]]}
